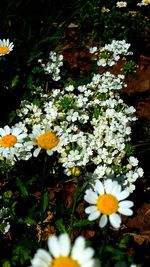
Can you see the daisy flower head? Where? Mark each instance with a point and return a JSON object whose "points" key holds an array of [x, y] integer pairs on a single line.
{"points": [[5, 47], [11, 141], [44, 139], [107, 201], [62, 254]]}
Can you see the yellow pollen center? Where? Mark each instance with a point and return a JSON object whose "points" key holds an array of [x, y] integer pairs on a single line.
{"points": [[4, 50], [8, 140], [47, 140], [64, 262], [107, 204]]}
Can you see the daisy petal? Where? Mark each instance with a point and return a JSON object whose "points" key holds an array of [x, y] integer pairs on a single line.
{"points": [[125, 211], [16, 131], [36, 152], [99, 187], [2, 132], [90, 209], [37, 262], [91, 198], [94, 215], [115, 220], [86, 255], [65, 244], [53, 246], [7, 129], [126, 204], [122, 195], [108, 185], [89, 264], [116, 190], [78, 248], [103, 221], [43, 255]]}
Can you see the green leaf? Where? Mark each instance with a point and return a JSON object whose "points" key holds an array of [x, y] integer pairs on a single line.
{"points": [[22, 187], [15, 81], [82, 223], [45, 200], [60, 226], [28, 221]]}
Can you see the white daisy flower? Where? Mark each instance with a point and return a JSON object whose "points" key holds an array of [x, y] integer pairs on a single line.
{"points": [[62, 255], [44, 139], [5, 47], [106, 202], [11, 140]]}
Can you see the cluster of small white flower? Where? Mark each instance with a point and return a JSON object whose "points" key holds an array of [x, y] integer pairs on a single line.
{"points": [[91, 126], [53, 65], [110, 53], [86, 125]]}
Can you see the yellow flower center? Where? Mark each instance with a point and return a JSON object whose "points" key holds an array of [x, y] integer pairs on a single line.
{"points": [[107, 204], [47, 140], [8, 140], [4, 50], [64, 262]]}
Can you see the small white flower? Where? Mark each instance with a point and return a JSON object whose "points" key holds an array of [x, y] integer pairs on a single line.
{"points": [[69, 88], [93, 49], [121, 4], [133, 161], [106, 202], [62, 253]]}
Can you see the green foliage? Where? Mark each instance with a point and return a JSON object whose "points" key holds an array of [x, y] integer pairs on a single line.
{"points": [[82, 223], [60, 226], [22, 187], [45, 201], [129, 68]]}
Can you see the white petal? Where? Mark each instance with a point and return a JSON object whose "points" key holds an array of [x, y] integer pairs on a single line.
{"points": [[94, 215], [90, 209], [86, 255], [2, 132], [91, 197], [16, 131], [38, 131], [108, 185], [122, 195], [53, 246], [18, 145], [103, 221], [116, 190], [126, 204], [89, 263], [43, 255], [36, 152], [7, 129], [125, 211], [21, 136], [65, 244], [99, 187], [49, 152], [115, 220], [78, 248], [37, 262]]}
